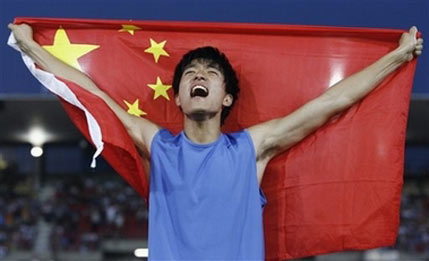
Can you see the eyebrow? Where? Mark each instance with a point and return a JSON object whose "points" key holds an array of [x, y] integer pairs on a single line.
{"points": [[214, 66], [188, 66], [210, 65]]}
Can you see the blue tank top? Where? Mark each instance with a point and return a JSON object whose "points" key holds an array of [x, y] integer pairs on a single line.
{"points": [[204, 202]]}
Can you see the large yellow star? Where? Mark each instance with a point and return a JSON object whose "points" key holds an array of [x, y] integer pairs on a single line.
{"points": [[160, 89], [66, 51], [129, 28], [134, 109], [157, 49]]}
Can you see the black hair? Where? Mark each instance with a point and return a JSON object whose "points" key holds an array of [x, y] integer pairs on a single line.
{"points": [[212, 55]]}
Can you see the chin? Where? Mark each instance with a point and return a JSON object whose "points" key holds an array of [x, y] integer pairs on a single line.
{"points": [[201, 114]]}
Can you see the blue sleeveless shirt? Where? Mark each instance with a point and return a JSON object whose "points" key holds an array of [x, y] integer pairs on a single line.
{"points": [[204, 202]]}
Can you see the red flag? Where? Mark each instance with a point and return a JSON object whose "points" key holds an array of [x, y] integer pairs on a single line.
{"points": [[338, 189]]}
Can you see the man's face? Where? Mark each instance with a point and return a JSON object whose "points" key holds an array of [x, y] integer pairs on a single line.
{"points": [[202, 89]]}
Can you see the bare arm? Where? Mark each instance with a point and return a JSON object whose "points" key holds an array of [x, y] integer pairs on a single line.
{"points": [[275, 136], [140, 130]]}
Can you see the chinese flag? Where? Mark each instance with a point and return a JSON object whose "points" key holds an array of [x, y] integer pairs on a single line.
{"points": [[338, 189]]}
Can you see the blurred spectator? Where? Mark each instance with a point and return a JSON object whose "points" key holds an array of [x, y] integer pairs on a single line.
{"points": [[87, 211], [18, 211], [413, 235]]}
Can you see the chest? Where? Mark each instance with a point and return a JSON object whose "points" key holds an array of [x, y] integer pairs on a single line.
{"points": [[203, 173]]}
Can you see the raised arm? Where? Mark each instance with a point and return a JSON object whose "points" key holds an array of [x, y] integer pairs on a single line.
{"points": [[141, 130], [275, 136]]}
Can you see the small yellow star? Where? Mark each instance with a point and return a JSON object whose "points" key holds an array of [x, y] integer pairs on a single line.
{"points": [[66, 51], [160, 89], [129, 28], [157, 49], [134, 109]]}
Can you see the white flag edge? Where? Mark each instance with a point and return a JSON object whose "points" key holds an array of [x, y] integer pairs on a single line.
{"points": [[60, 89]]}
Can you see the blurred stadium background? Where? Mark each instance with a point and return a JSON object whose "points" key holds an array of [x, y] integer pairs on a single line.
{"points": [[54, 207]]}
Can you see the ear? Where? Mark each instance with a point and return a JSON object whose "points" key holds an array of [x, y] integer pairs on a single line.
{"points": [[177, 100], [227, 100]]}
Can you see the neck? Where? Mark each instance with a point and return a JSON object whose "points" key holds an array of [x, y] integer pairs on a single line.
{"points": [[202, 131]]}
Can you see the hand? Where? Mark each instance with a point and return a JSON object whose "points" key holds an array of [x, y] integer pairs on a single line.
{"points": [[409, 45], [23, 34]]}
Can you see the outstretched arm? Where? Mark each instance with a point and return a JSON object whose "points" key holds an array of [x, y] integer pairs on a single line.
{"points": [[275, 136], [141, 130]]}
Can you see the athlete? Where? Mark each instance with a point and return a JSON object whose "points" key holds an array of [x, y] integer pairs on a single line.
{"points": [[205, 201]]}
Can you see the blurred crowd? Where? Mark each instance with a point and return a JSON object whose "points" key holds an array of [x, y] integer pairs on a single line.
{"points": [[19, 211], [413, 234], [81, 211], [84, 210]]}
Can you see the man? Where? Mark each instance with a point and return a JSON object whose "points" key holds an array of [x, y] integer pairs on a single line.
{"points": [[205, 201]]}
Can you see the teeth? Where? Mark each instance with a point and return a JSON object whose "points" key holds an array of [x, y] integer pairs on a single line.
{"points": [[199, 90], [199, 87]]}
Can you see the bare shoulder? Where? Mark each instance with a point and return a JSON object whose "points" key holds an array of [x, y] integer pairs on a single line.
{"points": [[143, 131], [259, 134]]}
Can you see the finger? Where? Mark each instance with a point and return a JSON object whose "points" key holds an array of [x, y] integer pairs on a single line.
{"points": [[419, 47], [417, 53], [413, 31], [10, 26], [420, 41]]}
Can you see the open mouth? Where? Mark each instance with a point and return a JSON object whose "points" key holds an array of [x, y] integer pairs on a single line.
{"points": [[199, 91]]}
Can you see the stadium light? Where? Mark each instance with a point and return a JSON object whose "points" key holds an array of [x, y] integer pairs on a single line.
{"points": [[36, 151], [141, 252], [37, 136]]}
